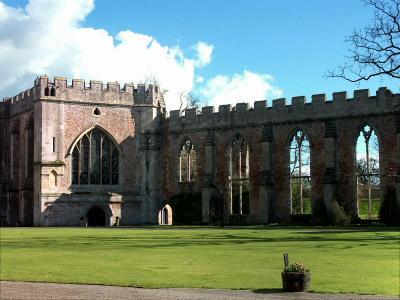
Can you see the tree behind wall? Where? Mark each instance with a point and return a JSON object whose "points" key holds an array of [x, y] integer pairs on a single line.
{"points": [[375, 49]]}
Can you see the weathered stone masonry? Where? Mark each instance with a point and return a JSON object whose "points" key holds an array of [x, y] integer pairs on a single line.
{"points": [[41, 127]]}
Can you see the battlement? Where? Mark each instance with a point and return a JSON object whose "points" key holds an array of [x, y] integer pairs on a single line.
{"points": [[99, 92], [95, 92], [21, 102], [340, 106], [4, 109]]}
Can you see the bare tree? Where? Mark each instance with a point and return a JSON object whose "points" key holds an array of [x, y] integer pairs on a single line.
{"points": [[153, 80], [375, 49], [187, 101], [363, 171]]}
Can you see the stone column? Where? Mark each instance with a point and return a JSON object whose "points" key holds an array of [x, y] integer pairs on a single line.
{"points": [[149, 153], [329, 180], [208, 189], [267, 186]]}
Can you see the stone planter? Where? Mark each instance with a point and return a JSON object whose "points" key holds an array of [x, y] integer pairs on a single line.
{"points": [[296, 282]]}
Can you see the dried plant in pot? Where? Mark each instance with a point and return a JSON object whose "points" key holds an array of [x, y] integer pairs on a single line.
{"points": [[296, 278]]}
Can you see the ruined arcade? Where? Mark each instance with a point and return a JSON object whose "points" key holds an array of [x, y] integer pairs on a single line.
{"points": [[98, 154]]}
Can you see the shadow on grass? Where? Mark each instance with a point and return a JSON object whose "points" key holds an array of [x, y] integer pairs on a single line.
{"points": [[344, 238], [268, 291]]}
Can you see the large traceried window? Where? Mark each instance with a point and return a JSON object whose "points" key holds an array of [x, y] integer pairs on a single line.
{"points": [[239, 176], [95, 160], [368, 174], [187, 162], [300, 179]]}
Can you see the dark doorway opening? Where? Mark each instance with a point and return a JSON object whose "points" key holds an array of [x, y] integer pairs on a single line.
{"points": [[186, 209], [96, 217], [165, 215]]}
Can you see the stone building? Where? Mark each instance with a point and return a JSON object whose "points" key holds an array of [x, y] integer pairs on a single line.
{"points": [[94, 154]]}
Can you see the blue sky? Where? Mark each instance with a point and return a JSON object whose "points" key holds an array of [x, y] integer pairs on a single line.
{"points": [[284, 45]]}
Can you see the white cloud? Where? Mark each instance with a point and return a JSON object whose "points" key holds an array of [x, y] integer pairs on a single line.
{"points": [[204, 52], [245, 87], [46, 38]]}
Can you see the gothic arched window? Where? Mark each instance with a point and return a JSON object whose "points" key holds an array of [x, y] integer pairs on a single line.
{"points": [[368, 174], [239, 176], [300, 179], [95, 160], [187, 162]]}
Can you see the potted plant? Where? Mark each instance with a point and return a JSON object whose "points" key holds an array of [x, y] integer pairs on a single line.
{"points": [[296, 278]]}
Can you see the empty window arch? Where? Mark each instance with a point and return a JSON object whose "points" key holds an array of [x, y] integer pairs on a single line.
{"points": [[300, 179], [52, 91], [187, 162], [95, 159], [47, 91], [367, 174], [239, 176]]}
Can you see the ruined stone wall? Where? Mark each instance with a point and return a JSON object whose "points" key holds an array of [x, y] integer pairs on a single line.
{"points": [[331, 126], [41, 126], [17, 159], [4, 152]]}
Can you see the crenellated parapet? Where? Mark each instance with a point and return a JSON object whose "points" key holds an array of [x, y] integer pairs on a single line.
{"points": [[4, 109], [21, 102], [340, 106], [97, 92], [81, 92]]}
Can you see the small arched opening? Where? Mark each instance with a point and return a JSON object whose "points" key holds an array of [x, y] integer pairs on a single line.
{"points": [[53, 179], [53, 92], [165, 215], [96, 111], [46, 91], [96, 216]]}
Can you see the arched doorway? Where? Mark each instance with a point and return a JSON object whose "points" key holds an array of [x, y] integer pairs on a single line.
{"points": [[165, 215], [96, 216]]}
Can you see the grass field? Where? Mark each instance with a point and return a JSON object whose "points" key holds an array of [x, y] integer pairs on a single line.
{"points": [[363, 208], [345, 260]]}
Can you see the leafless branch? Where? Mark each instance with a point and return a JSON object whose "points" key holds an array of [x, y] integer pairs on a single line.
{"points": [[375, 50]]}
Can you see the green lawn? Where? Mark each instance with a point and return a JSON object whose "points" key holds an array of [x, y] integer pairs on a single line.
{"points": [[344, 260], [363, 208]]}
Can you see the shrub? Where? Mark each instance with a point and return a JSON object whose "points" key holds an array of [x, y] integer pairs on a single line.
{"points": [[296, 267], [389, 212], [339, 215]]}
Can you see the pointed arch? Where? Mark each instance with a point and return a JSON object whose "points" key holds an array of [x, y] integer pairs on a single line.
{"points": [[95, 158], [300, 172], [239, 178], [53, 179], [367, 171], [295, 130], [187, 161], [165, 215], [87, 130]]}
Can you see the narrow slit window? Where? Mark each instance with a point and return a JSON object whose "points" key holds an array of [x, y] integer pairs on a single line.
{"points": [[54, 144]]}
